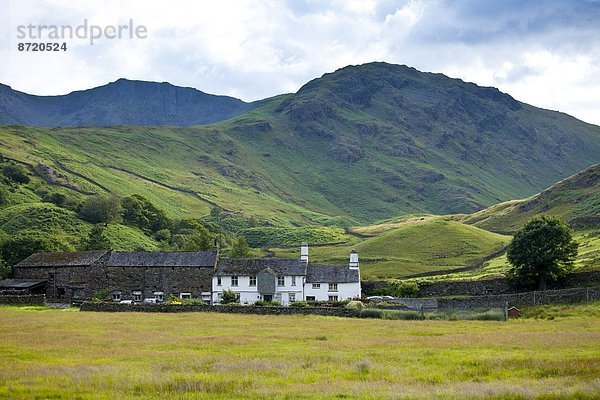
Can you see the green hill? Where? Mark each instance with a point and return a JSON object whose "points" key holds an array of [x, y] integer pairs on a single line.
{"points": [[576, 199], [414, 246], [360, 145]]}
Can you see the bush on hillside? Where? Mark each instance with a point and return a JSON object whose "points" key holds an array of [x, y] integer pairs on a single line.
{"points": [[140, 212], [15, 172], [101, 209]]}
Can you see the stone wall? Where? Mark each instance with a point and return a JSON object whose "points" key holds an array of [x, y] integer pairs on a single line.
{"points": [[179, 308], [523, 299], [36, 299], [472, 288], [500, 286]]}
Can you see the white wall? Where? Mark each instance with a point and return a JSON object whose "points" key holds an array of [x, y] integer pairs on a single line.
{"points": [[344, 291], [249, 294]]}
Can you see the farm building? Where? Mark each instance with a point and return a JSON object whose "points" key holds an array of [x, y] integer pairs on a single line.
{"points": [[137, 276], [128, 276]]}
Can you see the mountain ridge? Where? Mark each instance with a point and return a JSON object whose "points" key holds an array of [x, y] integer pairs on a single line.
{"points": [[361, 144], [122, 102]]}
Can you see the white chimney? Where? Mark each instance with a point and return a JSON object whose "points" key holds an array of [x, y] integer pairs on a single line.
{"points": [[304, 252], [353, 260]]}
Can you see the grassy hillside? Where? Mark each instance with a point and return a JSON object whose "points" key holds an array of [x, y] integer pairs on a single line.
{"points": [[576, 199], [356, 146], [220, 356], [417, 245]]}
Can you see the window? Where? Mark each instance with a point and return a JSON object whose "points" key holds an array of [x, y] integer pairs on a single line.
{"points": [[292, 297], [281, 281], [159, 296], [333, 298], [278, 297], [293, 281], [218, 281], [185, 295], [310, 298], [333, 287], [116, 296], [316, 286], [253, 281], [234, 280], [137, 295]]}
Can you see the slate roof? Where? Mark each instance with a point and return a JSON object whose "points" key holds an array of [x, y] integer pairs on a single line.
{"points": [[163, 259], [70, 259], [20, 283], [252, 266], [321, 273]]}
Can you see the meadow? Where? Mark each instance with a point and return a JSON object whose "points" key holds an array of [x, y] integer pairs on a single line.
{"points": [[65, 354]]}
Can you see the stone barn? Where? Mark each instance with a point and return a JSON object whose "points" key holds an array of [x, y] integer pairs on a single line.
{"points": [[133, 276], [137, 276], [69, 276]]}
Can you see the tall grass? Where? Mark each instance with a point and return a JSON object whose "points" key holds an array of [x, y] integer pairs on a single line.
{"points": [[65, 355]]}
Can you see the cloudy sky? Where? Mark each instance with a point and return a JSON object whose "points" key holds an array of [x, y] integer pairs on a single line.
{"points": [[546, 53]]}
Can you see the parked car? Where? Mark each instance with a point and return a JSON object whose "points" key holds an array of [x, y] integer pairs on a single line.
{"points": [[150, 300], [375, 298], [387, 297], [126, 302]]}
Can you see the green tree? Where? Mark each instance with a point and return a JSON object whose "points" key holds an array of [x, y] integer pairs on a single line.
{"points": [[5, 270], [191, 235], [96, 239], [18, 247], [240, 248], [101, 209], [542, 251], [139, 211]]}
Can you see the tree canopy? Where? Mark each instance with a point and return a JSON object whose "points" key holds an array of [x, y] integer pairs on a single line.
{"points": [[101, 209], [240, 248], [542, 251], [141, 212]]}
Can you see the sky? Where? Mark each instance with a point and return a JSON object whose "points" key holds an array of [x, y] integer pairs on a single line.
{"points": [[545, 53]]}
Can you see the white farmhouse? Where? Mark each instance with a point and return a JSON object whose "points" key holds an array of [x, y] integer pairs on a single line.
{"points": [[286, 279]]}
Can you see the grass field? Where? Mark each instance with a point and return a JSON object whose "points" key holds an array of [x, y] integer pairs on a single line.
{"points": [[65, 355]]}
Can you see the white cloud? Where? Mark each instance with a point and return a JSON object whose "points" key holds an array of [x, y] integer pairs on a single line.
{"points": [[544, 55]]}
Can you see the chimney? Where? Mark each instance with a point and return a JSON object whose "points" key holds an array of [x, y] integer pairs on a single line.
{"points": [[304, 252], [353, 260]]}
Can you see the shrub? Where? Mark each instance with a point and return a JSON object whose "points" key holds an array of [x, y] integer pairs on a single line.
{"points": [[16, 173], [229, 297], [398, 288], [400, 314], [355, 304], [273, 303], [101, 295], [299, 304]]}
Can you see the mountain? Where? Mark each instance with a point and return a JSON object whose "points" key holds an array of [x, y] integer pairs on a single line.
{"points": [[124, 102], [576, 199], [358, 145]]}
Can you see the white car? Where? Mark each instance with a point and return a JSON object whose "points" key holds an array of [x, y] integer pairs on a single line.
{"points": [[150, 300], [126, 302]]}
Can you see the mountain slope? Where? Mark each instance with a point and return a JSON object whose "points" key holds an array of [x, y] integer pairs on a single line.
{"points": [[355, 146], [576, 199], [123, 102]]}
